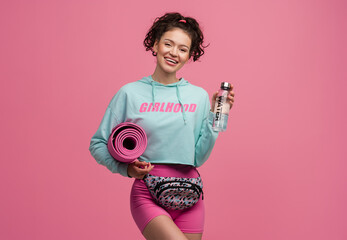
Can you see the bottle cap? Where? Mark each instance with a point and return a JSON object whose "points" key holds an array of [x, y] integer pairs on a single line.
{"points": [[225, 86]]}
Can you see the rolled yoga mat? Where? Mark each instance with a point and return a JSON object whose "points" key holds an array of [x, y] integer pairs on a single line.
{"points": [[127, 142]]}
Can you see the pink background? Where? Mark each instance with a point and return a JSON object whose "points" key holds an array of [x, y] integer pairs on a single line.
{"points": [[279, 172]]}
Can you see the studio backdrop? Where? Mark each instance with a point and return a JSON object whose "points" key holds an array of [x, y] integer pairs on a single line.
{"points": [[277, 173]]}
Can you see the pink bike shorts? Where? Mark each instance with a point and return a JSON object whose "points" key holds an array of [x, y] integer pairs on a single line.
{"points": [[144, 208]]}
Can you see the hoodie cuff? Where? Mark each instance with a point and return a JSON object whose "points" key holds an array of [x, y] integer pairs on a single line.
{"points": [[210, 117], [123, 170]]}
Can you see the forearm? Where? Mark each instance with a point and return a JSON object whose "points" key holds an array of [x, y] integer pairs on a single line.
{"points": [[98, 149], [205, 142]]}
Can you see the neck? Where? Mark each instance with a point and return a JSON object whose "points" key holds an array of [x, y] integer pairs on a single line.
{"points": [[163, 77]]}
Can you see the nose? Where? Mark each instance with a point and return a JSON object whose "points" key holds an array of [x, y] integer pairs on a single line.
{"points": [[173, 51]]}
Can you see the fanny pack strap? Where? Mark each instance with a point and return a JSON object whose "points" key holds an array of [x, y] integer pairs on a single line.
{"points": [[187, 177]]}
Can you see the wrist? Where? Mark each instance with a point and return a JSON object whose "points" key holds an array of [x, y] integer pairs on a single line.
{"points": [[129, 176]]}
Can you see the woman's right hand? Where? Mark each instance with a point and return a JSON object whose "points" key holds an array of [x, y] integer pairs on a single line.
{"points": [[139, 169]]}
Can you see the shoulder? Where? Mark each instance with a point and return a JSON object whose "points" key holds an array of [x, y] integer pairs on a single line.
{"points": [[199, 91], [131, 87], [135, 86], [126, 91]]}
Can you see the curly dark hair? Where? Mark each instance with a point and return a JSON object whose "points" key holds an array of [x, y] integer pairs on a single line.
{"points": [[176, 20]]}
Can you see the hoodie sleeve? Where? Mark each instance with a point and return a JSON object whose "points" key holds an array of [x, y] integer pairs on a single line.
{"points": [[98, 144], [207, 136]]}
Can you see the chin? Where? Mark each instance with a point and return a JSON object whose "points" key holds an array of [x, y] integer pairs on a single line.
{"points": [[170, 70]]}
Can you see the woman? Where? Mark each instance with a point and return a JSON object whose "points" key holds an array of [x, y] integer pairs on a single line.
{"points": [[177, 119]]}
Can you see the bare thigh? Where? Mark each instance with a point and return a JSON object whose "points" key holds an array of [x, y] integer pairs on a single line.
{"points": [[162, 227], [193, 236]]}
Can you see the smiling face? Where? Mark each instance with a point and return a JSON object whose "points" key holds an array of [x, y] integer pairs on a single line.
{"points": [[172, 50]]}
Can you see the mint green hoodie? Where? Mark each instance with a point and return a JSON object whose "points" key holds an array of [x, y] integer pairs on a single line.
{"points": [[176, 118]]}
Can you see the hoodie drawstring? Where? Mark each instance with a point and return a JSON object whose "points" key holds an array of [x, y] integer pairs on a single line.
{"points": [[153, 94], [178, 97], [182, 106]]}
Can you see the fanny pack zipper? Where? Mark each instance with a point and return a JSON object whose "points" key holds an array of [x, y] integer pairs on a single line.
{"points": [[193, 187]]}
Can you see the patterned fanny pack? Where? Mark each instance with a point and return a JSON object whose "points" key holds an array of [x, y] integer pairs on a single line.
{"points": [[174, 192]]}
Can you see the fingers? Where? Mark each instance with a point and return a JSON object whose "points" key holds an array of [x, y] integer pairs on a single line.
{"points": [[140, 164], [145, 168], [231, 92], [143, 172], [140, 169], [231, 96], [214, 96]]}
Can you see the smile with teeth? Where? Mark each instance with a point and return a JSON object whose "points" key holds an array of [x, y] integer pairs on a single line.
{"points": [[171, 60]]}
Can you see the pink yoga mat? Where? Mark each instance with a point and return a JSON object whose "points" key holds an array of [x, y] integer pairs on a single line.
{"points": [[127, 142]]}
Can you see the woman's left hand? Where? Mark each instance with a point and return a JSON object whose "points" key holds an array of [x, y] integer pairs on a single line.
{"points": [[139, 169], [231, 96]]}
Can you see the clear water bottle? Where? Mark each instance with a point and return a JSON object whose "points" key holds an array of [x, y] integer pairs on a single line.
{"points": [[221, 108]]}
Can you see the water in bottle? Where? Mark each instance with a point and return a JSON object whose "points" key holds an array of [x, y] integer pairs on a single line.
{"points": [[221, 108]]}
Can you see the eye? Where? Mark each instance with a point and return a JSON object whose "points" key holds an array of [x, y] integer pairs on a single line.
{"points": [[183, 50], [168, 44]]}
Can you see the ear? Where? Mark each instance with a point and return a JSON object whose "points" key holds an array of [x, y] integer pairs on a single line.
{"points": [[155, 46]]}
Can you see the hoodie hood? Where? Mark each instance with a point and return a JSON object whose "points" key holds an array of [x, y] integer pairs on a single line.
{"points": [[182, 82]]}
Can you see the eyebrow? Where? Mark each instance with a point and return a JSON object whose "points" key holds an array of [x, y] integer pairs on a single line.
{"points": [[174, 42]]}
